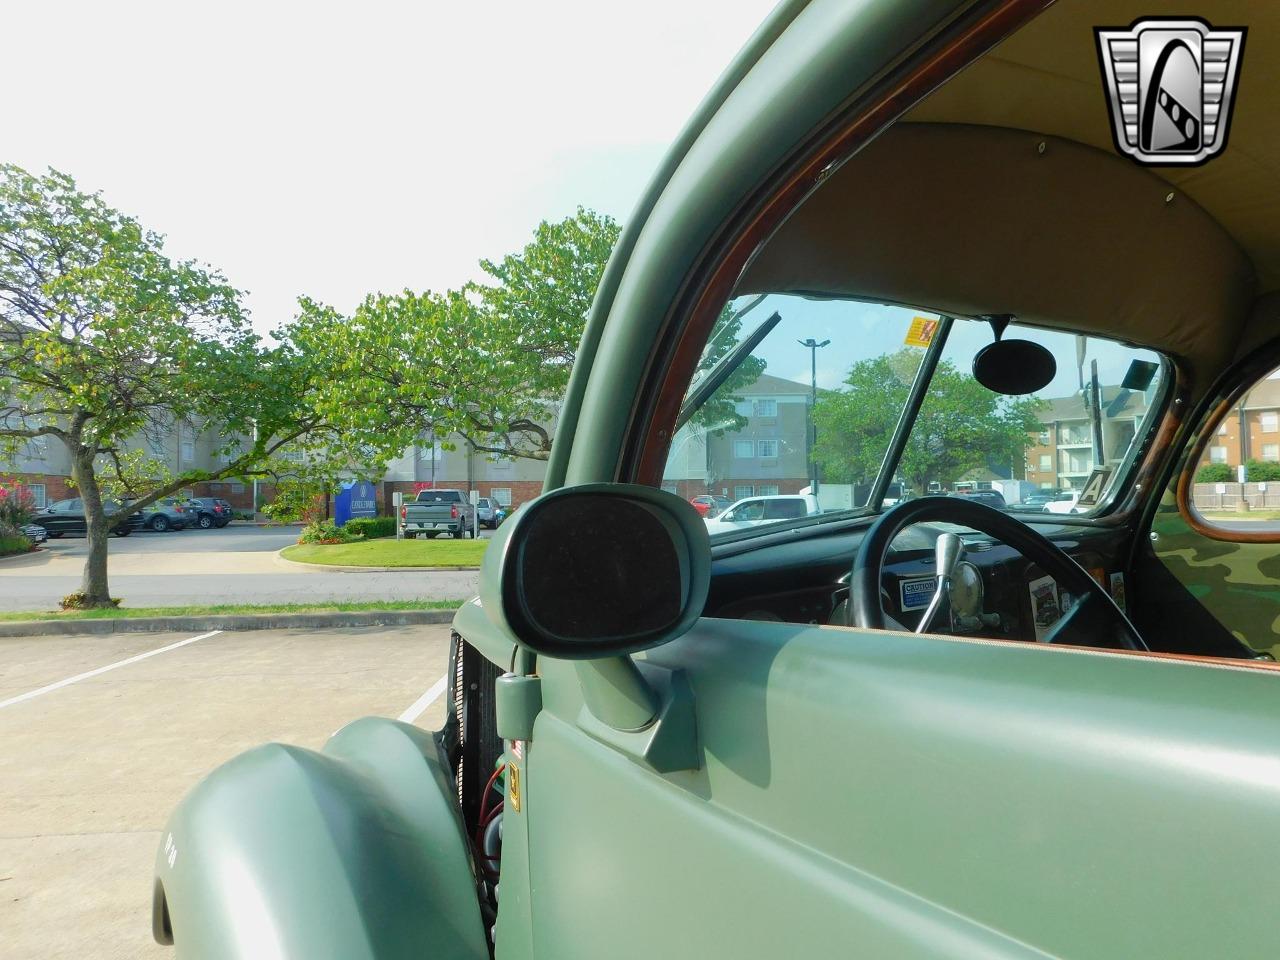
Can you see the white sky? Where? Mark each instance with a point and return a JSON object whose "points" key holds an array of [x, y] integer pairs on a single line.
{"points": [[336, 149]]}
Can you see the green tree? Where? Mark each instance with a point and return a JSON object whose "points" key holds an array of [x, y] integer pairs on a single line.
{"points": [[104, 339], [961, 426]]}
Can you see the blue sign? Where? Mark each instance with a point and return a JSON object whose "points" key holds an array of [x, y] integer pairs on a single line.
{"points": [[357, 498]]}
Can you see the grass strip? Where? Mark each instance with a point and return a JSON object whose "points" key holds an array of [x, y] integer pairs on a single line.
{"points": [[337, 606], [391, 553]]}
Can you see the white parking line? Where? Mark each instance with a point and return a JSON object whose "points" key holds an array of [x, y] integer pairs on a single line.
{"points": [[111, 666], [419, 706]]}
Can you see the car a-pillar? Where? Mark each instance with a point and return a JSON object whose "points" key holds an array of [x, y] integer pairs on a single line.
{"points": [[543, 582]]}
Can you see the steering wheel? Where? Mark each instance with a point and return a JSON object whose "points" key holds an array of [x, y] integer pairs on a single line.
{"points": [[1094, 621]]}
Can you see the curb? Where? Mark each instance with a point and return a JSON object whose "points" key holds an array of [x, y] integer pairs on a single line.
{"points": [[342, 568], [237, 621]]}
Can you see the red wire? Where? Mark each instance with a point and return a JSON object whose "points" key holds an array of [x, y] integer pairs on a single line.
{"points": [[484, 797]]}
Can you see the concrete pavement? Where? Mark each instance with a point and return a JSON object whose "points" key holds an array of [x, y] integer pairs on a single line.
{"points": [[232, 565], [89, 771]]}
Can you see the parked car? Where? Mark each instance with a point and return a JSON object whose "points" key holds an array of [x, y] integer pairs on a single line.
{"points": [[753, 511], [990, 498], [208, 512], [67, 516], [710, 506], [1064, 502], [489, 512], [1036, 502], [433, 512], [35, 533], [166, 514]]}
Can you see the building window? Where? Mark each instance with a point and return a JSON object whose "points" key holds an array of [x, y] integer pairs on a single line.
{"points": [[744, 450], [765, 408], [500, 464], [293, 456], [768, 449], [156, 441], [1217, 454], [502, 495], [1271, 451], [1270, 421], [188, 451], [1046, 462], [37, 495], [767, 489], [1043, 438], [743, 490], [236, 487], [1222, 430]]}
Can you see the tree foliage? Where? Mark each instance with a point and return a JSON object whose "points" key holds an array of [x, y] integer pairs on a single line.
{"points": [[962, 426], [105, 340], [489, 362]]}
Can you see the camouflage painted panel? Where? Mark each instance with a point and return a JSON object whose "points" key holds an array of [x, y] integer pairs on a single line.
{"points": [[1239, 583]]}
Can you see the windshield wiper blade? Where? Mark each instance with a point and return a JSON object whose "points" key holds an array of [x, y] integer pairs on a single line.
{"points": [[723, 370]]}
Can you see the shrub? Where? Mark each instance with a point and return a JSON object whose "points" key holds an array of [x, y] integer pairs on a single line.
{"points": [[17, 507], [326, 531], [1259, 471], [372, 527], [1215, 473], [11, 543]]}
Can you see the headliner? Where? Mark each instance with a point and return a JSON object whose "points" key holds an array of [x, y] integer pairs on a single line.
{"points": [[955, 209]]}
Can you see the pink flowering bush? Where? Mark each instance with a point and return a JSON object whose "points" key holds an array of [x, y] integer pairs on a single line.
{"points": [[17, 507]]}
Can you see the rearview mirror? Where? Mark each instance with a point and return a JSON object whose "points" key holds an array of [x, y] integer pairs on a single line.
{"points": [[598, 570]]}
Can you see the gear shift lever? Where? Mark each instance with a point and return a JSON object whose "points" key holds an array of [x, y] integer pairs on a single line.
{"points": [[947, 552]]}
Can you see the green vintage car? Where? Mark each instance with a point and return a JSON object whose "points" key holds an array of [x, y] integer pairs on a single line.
{"points": [[933, 730]]}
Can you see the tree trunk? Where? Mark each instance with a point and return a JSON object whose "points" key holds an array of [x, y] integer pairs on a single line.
{"points": [[93, 586]]}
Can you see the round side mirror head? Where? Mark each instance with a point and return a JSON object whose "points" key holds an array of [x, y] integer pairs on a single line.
{"points": [[1014, 367], [598, 570]]}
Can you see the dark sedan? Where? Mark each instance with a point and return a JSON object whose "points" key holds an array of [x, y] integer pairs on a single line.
{"points": [[67, 516]]}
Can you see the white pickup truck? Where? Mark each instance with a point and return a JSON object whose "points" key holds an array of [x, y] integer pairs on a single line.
{"points": [[754, 511], [434, 512]]}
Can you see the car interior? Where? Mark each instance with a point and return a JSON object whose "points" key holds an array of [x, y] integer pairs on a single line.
{"points": [[1002, 198]]}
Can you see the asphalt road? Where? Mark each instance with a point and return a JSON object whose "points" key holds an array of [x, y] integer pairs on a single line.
{"points": [[90, 770], [236, 564]]}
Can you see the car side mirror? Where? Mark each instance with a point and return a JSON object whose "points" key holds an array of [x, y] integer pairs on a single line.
{"points": [[598, 570]]}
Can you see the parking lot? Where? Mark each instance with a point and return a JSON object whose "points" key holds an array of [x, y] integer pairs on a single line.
{"points": [[236, 564], [91, 765]]}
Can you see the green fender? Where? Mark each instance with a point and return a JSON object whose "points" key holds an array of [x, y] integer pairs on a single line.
{"points": [[354, 852]]}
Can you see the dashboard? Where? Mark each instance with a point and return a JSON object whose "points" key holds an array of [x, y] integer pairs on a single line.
{"points": [[801, 576]]}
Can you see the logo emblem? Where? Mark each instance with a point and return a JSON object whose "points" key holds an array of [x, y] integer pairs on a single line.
{"points": [[1170, 85]]}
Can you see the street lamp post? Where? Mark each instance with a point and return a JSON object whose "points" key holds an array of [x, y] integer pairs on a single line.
{"points": [[811, 433]]}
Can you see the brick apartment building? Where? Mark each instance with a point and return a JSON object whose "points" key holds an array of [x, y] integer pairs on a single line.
{"points": [[1061, 456], [1251, 431]]}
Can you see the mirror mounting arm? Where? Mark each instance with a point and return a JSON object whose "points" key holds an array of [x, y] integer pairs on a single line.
{"points": [[616, 693]]}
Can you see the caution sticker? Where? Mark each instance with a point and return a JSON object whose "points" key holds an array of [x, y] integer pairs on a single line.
{"points": [[916, 594]]}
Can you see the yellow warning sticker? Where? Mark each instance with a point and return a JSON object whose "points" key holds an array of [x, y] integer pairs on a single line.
{"points": [[513, 786], [921, 331]]}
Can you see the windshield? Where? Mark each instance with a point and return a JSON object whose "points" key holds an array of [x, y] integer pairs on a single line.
{"points": [[844, 406]]}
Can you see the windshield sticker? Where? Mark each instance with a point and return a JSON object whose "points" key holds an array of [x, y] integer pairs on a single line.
{"points": [[1170, 86], [921, 331], [1045, 607], [916, 594]]}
